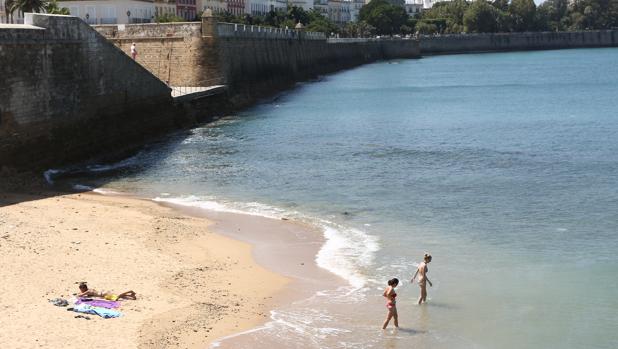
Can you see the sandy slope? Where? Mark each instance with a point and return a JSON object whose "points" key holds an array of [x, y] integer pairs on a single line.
{"points": [[192, 285]]}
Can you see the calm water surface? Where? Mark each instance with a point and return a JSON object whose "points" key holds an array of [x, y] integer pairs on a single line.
{"points": [[503, 166]]}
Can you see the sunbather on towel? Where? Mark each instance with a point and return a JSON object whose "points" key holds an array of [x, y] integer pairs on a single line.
{"points": [[88, 292]]}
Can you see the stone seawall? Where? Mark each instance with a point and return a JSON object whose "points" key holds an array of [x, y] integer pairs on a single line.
{"points": [[171, 51], [468, 43], [67, 94], [255, 63], [252, 61]]}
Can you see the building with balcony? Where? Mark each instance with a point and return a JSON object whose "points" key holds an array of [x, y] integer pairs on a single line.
{"points": [[339, 11], [216, 6], [186, 9], [262, 7], [111, 11], [165, 7], [355, 8], [321, 6], [413, 7], [236, 7]]}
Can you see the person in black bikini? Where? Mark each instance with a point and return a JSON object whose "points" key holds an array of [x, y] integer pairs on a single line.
{"points": [[390, 295]]}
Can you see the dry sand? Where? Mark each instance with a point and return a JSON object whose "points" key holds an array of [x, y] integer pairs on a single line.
{"points": [[193, 286]]}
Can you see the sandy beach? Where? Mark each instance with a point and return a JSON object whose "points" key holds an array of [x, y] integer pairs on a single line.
{"points": [[193, 285]]}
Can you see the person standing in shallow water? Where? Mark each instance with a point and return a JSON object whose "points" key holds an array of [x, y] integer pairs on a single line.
{"points": [[391, 305], [422, 271]]}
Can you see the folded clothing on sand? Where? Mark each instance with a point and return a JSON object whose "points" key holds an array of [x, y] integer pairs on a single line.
{"points": [[102, 312], [59, 302], [99, 303]]}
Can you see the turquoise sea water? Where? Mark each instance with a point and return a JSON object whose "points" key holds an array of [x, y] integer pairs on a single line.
{"points": [[504, 166]]}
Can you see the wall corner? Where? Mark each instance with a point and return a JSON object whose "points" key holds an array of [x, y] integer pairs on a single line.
{"points": [[209, 24]]}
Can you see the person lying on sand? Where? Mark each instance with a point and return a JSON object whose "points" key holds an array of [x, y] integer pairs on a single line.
{"points": [[88, 292]]}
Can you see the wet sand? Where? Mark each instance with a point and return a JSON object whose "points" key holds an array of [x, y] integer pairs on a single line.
{"points": [[283, 246]]}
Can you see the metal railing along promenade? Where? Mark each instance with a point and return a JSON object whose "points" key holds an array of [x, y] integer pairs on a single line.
{"points": [[256, 31]]}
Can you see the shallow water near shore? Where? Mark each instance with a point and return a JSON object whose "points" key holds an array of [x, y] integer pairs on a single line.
{"points": [[504, 166]]}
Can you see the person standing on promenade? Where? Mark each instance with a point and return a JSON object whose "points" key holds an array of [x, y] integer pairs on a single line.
{"points": [[133, 51], [422, 271], [391, 304]]}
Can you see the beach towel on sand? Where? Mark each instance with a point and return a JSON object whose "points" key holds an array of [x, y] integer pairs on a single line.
{"points": [[102, 312], [99, 303]]}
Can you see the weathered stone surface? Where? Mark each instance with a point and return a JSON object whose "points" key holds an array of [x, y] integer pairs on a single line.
{"points": [[467, 43], [67, 93], [252, 60]]}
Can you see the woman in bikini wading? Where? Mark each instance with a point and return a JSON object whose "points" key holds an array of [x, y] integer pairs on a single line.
{"points": [[422, 278], [391, 305]]}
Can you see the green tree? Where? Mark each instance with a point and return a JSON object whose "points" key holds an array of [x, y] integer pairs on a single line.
{"points": [[52, 7], [481, 17], [298, 14], [27, 6], [168, 18], [550, 14], [592, 14], [426, 28], [523, 15], [502, 5], [451, 12], [322, 25], [319, 23], [360, 29], [384, 16]]}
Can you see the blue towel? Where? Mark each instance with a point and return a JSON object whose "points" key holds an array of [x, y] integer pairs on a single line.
{"points": [[102, 312]]}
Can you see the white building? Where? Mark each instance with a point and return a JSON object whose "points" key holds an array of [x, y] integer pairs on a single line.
{"points": [[257, 7], [216, 6], [414, 7], [340, 11], [3, 15], [111, 12], [321, 6], [165, 7], [305, 4], [262, 7], [355, 9], [429, 3]]}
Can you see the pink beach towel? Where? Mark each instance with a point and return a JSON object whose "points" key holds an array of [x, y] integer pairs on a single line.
{"points": [[99, 303]]}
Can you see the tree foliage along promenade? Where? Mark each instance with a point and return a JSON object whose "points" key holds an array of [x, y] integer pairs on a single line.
{"points": [[311, 20], [481, 16], [384, 16], [23, 6], [388, 17]]}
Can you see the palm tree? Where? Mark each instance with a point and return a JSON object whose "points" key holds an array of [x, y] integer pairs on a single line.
{"points": [[8, 5], [26, 6], [52, 7]]}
